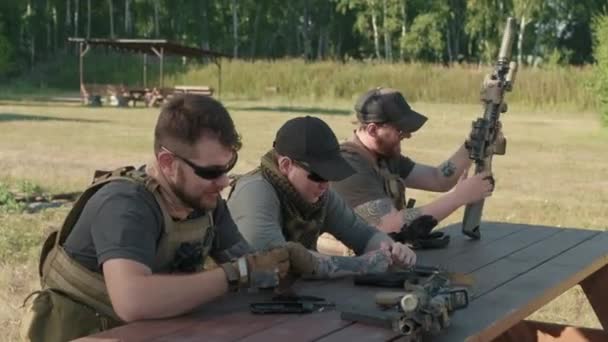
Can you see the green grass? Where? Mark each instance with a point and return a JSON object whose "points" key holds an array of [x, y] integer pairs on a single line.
{"points": [[554, 172], [329, 80]]}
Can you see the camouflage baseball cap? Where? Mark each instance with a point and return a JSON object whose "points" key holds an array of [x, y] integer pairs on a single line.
{"points": [[386, 105]]}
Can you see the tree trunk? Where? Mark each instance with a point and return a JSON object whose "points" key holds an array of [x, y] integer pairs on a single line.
{"points": [[235, 29], [55, 29], [88, 18], [48, 22], [76, 10], [375, 28], [403, 29], [520, 39], [306, 34], [68, 16], [111, 11], [204, 26], [388, 46], [320, 43], [156, 21], [449, 43], [128, 18], [256, 25]]}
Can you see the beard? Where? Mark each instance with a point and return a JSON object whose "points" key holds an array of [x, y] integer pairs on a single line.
{"points": [[203, 200], [387, 148]]}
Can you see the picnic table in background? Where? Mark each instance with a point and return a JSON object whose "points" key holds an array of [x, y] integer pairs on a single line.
{"points": [[517, 268]]}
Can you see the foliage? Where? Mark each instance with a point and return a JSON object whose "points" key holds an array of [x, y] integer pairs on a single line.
{"points": [[425, 40], [601, 56], [8, 203], [36, 31]]}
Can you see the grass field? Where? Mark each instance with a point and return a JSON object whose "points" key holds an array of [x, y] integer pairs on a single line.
{"points": [[554, 172]]}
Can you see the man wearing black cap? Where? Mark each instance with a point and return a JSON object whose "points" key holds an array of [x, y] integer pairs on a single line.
{"points": [[288, 199], [377, 190]]}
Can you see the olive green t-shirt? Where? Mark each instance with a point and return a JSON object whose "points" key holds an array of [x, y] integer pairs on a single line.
{"points": [[256, 209]]}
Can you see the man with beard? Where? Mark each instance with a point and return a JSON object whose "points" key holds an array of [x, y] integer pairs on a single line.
{"points": [[134, 245], [287, 198], [377, 190]]}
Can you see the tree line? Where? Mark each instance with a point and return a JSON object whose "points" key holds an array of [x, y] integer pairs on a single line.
{"points": [[436, 31]]}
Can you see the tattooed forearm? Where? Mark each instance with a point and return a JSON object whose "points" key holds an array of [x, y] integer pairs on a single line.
{"points": [[447, 168], [330, 267], [410, 215], [373, 211]]}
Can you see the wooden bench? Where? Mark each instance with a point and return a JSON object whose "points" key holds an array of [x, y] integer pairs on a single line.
{"points": [[115, 94], [199, 90]]}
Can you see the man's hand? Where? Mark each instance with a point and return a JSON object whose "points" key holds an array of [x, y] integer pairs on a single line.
{"points": [[265, 269], [301, 260], [475, 188], [401, 254]]}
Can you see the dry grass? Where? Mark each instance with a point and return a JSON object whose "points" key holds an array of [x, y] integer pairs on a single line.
{"points": [[554, 172]]}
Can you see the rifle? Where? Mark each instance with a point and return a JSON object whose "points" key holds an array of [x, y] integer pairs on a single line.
{"points": [[423, 305], [482, 141]]}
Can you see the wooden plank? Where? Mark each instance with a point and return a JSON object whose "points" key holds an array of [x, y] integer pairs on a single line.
{"points": [[307, 328], [459, 243], [143, 330], [520, 262], [495, 312], [360, 333], [594, 287], [229, 327], [479, 256]]}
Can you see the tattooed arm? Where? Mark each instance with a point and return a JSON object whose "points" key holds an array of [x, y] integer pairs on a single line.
{"points": [[330, 267], [441, 178], [382, 214]]}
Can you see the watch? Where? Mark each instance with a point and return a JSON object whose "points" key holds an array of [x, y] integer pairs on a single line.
{"points": [[232, 275], [243, 272]]}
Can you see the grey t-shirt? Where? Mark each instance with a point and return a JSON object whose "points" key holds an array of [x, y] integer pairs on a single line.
{"points": [[367, 184], [256, 209], [123, 220]]}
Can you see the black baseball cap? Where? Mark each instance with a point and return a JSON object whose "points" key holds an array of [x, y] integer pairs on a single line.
{"points": [[309, 140], [386, 105]]}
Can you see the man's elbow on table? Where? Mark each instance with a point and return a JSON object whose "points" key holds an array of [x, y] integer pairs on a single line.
{"points": [[122, 277]]}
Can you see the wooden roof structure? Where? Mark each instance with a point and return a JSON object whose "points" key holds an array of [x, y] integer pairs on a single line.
{"points": [[158, 47]]}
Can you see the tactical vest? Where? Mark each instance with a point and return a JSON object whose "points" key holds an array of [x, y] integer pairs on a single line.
{"points": [[293, 228], [60, 272], [394, 186]]}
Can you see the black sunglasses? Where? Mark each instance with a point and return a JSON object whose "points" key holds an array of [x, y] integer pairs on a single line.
{"points": [[313, 176], [208, 172]]}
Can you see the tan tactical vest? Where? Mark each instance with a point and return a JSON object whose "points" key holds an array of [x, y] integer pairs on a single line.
{"points": [[58, 271], [393, 184]]}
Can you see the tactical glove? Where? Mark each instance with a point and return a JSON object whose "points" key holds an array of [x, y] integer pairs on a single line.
{"points": [[418, 234], [301, 260], [258, 270]]}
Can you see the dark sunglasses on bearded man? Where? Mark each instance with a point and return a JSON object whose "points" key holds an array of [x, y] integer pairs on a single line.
{"points": [[207, 172]]}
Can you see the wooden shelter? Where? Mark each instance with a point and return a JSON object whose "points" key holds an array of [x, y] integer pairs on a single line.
{"points": [[158, 47]]}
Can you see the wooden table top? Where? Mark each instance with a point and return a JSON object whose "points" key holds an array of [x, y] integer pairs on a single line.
{"points": [[517, 268]]}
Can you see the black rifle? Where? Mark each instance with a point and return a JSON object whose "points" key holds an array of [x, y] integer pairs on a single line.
{"points": [[423, 306], [482, 142]]}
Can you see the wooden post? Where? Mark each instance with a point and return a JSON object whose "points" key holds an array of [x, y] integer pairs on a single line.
{"points": [[162, 58], [159, 54], [145, 70]]}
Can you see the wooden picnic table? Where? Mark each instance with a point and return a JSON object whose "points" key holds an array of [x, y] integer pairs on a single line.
{"points": [[517, 268]]}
